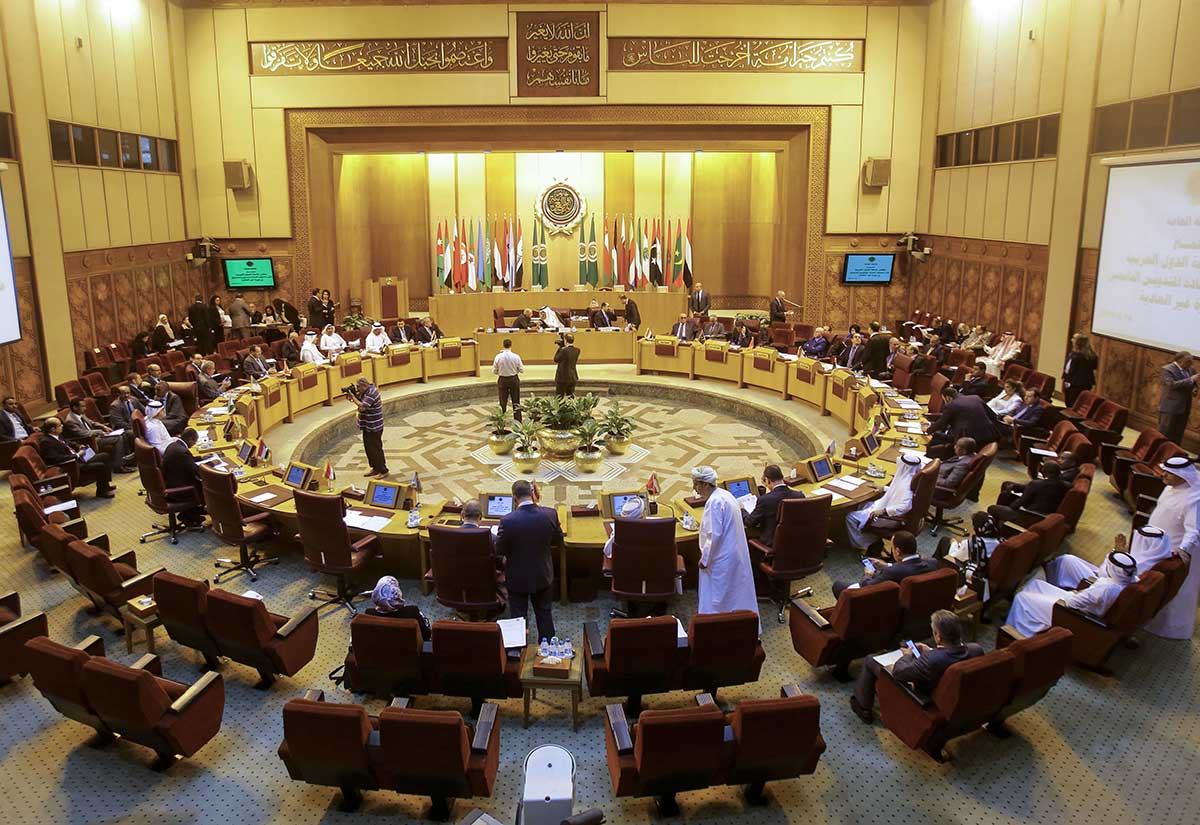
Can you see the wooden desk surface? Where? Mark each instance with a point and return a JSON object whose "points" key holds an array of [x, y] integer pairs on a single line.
{"points": [[595, 347]]}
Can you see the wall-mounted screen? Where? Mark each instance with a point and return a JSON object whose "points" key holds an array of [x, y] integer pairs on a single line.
{"points": [[249, 273], [10, 323], [860, 268]]}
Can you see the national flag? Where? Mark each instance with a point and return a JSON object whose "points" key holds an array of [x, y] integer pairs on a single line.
{"points": [[441, 254], [540, 267], [485, 236], [519, 266], [263, 451], [448, 260], [635, 254], [537, 494], [454, 249], [498, 259], [652, 485], [480, 253], [608, 255], [593, 267], [677, 260], [471, 248], [645, 252], [832, 448], [583, 265], [416, 481], [463, 262], [656, 276], [687, 256], [665, 254], [329, 474], [510, 252]]}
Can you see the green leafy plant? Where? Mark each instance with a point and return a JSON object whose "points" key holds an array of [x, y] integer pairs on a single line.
{"points": [[499, 422], [527, 436], [591, 436], [615, 423], [561, 412]]}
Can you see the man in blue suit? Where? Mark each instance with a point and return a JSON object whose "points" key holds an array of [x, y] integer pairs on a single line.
{"points": [[905, 561], [526, 538]]}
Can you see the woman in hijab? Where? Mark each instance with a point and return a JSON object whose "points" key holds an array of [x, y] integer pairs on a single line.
{"points": [[162, 336], [1176, 515], [388, 603], [1033, 607], [895, 504], [632, 508]]}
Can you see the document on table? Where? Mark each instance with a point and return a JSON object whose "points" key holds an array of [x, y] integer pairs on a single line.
{"points": [[680, 632], [362, 521], [61, 507], [748, 502], [890, 658], [912, 429], [847, 483], [834, 495], [261, 497], [513, 632], [787, 356], [908, 403], [876, 384]]}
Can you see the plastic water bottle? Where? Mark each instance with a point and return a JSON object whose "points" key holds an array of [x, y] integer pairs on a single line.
{"points": [[555, 647], [544, 648], [568, 650]]}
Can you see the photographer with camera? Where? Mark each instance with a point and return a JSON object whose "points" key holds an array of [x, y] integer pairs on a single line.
{"points": [[365, 395], [567, 356]]}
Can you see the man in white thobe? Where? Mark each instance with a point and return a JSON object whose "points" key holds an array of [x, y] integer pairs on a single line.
{"points": [[332, 344], [309, 354], [726, 580], [156, 432], [1150, 546], [1177, 514], [377, 340], [550, 319], [895, 503], [632, 508], [1033, 607], [1006, 349]]}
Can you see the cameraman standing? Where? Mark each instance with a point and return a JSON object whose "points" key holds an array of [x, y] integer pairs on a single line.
{"points": [[565, 374], [370, 420]]}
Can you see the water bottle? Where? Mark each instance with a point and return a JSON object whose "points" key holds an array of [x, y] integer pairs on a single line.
{"points": [[555, 647], [568, 650], [544, 648]]}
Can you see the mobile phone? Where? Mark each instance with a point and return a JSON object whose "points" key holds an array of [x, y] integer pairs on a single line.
{"points": [[913, 648], [867, 563]]}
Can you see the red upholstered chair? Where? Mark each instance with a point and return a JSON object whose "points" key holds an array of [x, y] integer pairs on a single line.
{"points": [[1041, 382], [635, 657], [1040, 661], [28, 462], [1117, 461], [1174, 572], [863, 621], [110, 581], [47, 494], [1051, 531], [468, 659], [1086, 404], [68, 391], [969, 694], [15, 631], [99, 391], [330, 744], [32, 517], [1145, 478], [232, 526], [1106, 425], [644, 566], [54, 549], [1014, 372], [666, 752], [723, 649], [911, 375], [1051, 441], [920, 596], [435, 753], [1081, 447], [57, 672], [271, 644], [385, 657], [161, 499], [798, 547], [171, 718], [327, 545], [1097, 637], [936, 402], [182, 603], [463, 571], [948, 498], [774, 739], [1072, 505], [1011, 561], [923, 485], [186, 390]]}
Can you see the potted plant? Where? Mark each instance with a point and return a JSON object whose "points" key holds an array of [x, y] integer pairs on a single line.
{"points": [[500, 434], [618, 427], [588, 456], [525, 454], [558, 419]]}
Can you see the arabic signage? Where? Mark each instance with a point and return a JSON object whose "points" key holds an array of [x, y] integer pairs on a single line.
{"points": [[558, 54], [310, 57], [693, 54]]}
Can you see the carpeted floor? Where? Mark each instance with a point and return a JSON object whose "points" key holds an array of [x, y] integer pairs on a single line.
{"points": [[1096, 749]]}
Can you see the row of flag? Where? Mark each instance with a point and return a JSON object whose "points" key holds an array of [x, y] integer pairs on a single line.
{"points": [[638, 253], [479, 254]]}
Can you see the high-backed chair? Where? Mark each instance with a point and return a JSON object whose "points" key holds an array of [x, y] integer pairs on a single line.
{"points": [[468, 659], [921, 596], [110, 581], [1117, 461], [936, 384], [385, 657], [635, 657], [1144, 478], [68, 391], [15, 631], [232, 526], [98, 389], [1040, 659], [1086, 403], [969, 694], [182, 603], [330, 744], [271, 644], [435, 753], [47, 494], [1106, 424], [171, 718], [31, 518], [774, 739], [1051, 531], [1041, 382], [1174, 571], [1097, 637], [1048, 440], [863, 621], [948, 498], [912, 376], [723, 649], [163, 500], [53, 547], [463, 570], [644, 566], [923, 485], [1011, 561], [798, 547], [57, 672], [28, 462], [327, 544]]}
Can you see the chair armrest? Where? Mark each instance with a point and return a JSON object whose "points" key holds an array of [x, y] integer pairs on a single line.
{"points": [[99, 540], [149, 662], [1080, 614], [57, 480], [755, 544], [400, 702], [60, 492], [256, 517], [12, 600], [128, 557], [810, 613], [485, 727], [1012, 528], [188, 490], [141, 581], [790, 692], [619, 725], [294, 623], [703, 699], [314, 695], [92, 646], [593, 640], [917, 696], [1033, 514], [364, 541], [77, 527], [1123, 460], [209, 681], [1011, 632]]}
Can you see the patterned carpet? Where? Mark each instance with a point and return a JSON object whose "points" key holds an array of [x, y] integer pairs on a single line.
{"points": [[1095, 750]]}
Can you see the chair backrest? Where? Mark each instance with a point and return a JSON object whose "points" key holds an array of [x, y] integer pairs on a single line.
{"points": [[643, 558], [220, 499], [68, 391], [463, 652], [124, 697], [801, 533], [1041, 382], [1174, 571], [180, 600], [1109, 416], [464, 570], [1086, 403], [936, 385], [53, 546], [775, 737], [867, 614], [238, 622], [1137, 603], [1011, 560], [386, 647], [1059, 434], [974, 689], [96, 385], [641, 647], [427, 750], [149, 464], [326, 742], [186, 390], [902, 369], [1080, 446], [724, 643], [28, 461], [1015, 372], [92, 568], [921, 595], [30, 515], [679, 749], [1051, 530], [57, 670], [1072, 504], [977, 469], [1040, 659], [137, 420], [1147, 442], [323, 533], [923, 485]]}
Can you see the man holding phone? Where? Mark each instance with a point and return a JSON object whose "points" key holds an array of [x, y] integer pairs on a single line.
{"points": [[905, 561], [918, 664]]}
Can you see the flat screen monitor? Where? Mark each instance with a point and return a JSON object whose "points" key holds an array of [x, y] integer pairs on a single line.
{"points": [[10, 322], [870, 443], [298, 475], [863, 268], [383, 494], [619, 499], [496, 505], [822, 468], [739, 487], [249, 273], [246, 451]]}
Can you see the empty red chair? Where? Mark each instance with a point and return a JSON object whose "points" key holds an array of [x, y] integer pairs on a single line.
{"points": [[15, 631], [1117, 461], [1086, 404], [863, 621], [330, 744], [774, 739], [68, 391], [1107, 424], [1040, 661], [635, 657], [723, 649]]}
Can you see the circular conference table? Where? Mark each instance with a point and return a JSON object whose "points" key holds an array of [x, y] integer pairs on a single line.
{"points": [[859, 404]]}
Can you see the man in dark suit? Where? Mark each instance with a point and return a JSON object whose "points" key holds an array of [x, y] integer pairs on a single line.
{"points": [[976, 383], [936, 350], [901, 548], [1042, 495], [766, 509], [632, 316], [14, 426], [179, 469], [742, 336], [120, 411], [526, 538], [924, 671], [565, 374], [698, 301], [777, 309], [289, 353], [853, 354], [1027, 415], [604, 317], [254, 365], [315, 309], [174, 418], [197, 315], [428, 331], [56, 452], [878, 347], [962, 416], [684, 330], [954, 469], [1175, 402]]}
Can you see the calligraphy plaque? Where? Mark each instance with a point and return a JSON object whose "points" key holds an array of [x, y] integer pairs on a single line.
{"points": [[313, 57], [558, 54], [737, 54]]}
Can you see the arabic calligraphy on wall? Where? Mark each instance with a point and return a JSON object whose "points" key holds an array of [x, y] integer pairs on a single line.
{"points": [[558, 54], [311, 57], [694, 54]]}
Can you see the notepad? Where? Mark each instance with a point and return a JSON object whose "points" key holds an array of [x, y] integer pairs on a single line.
{"points": [[261, 497], [843, 483], [61, 507], [890, 658], [787, 356], [514, 632], [1040, 451], [835, 496], [117, 431]]}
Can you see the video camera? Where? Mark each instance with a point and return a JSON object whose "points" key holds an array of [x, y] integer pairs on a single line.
{"points": [[351, 389]]}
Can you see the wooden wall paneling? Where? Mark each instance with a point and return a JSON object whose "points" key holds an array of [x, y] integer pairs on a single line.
{"points": [[1012, 296], [116, 202], [139, 207], [1030, 54], [145, 295], [1035, 297], [1115, 74], [156, 198], [128, 319], [80, 301], [163, 81], [721, 221], [500, 187], [22, 366], [877, 113], [792, 239], [765, 211], [1009, 36], [53, 59], [104, 65], [970, 286], [952, 289], [78, 61], [70, 208], [1185, 70], [91, 195], [322, 223], [989, 295], [104, 318], [837, 295], [14, 209], [143, 61]]}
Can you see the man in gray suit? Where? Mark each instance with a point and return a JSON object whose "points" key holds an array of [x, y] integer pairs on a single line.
{"points": [[239, 317], [954, 469], [1175, 402]]}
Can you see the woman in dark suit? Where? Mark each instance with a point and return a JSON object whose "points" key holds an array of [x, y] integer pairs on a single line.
{"points": [[1079, 373], [388, 602]]}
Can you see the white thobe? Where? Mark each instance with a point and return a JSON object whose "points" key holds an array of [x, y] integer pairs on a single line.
{"points": [[1176, 514], [1033, 607], [999, 354], [551, 320], [896, 502], [157, 435], [376, 343], [333, 344], [726, 580], [309, 354]]}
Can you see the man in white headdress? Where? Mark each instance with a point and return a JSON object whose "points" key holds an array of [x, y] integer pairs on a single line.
{"points": [[1176, 514], [726, 580], [1006, 349], [633, 507], [895, 503], [309, 354], [332, 344], [1033, 607], [1150, 546], [377, 340], [156, 432], [550, 319]]}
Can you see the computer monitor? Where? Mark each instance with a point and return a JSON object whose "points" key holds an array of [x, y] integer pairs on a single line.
{"points": [[247, 451], [739, 487], [385, 494], [870, 443], [495, 505], [298, 475], [227, 430], [818, 468], [612, 501]]}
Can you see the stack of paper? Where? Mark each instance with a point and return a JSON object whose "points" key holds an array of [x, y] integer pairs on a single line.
{"points": [[513, 632], [261, 497], [846, 483], [61, 507], [890, 658], [355, 518]]}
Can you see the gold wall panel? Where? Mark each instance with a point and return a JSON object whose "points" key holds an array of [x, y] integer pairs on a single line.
{"points": [[618, 183], [343, 57], [721, 221], [500, 184], [733, 55]]}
